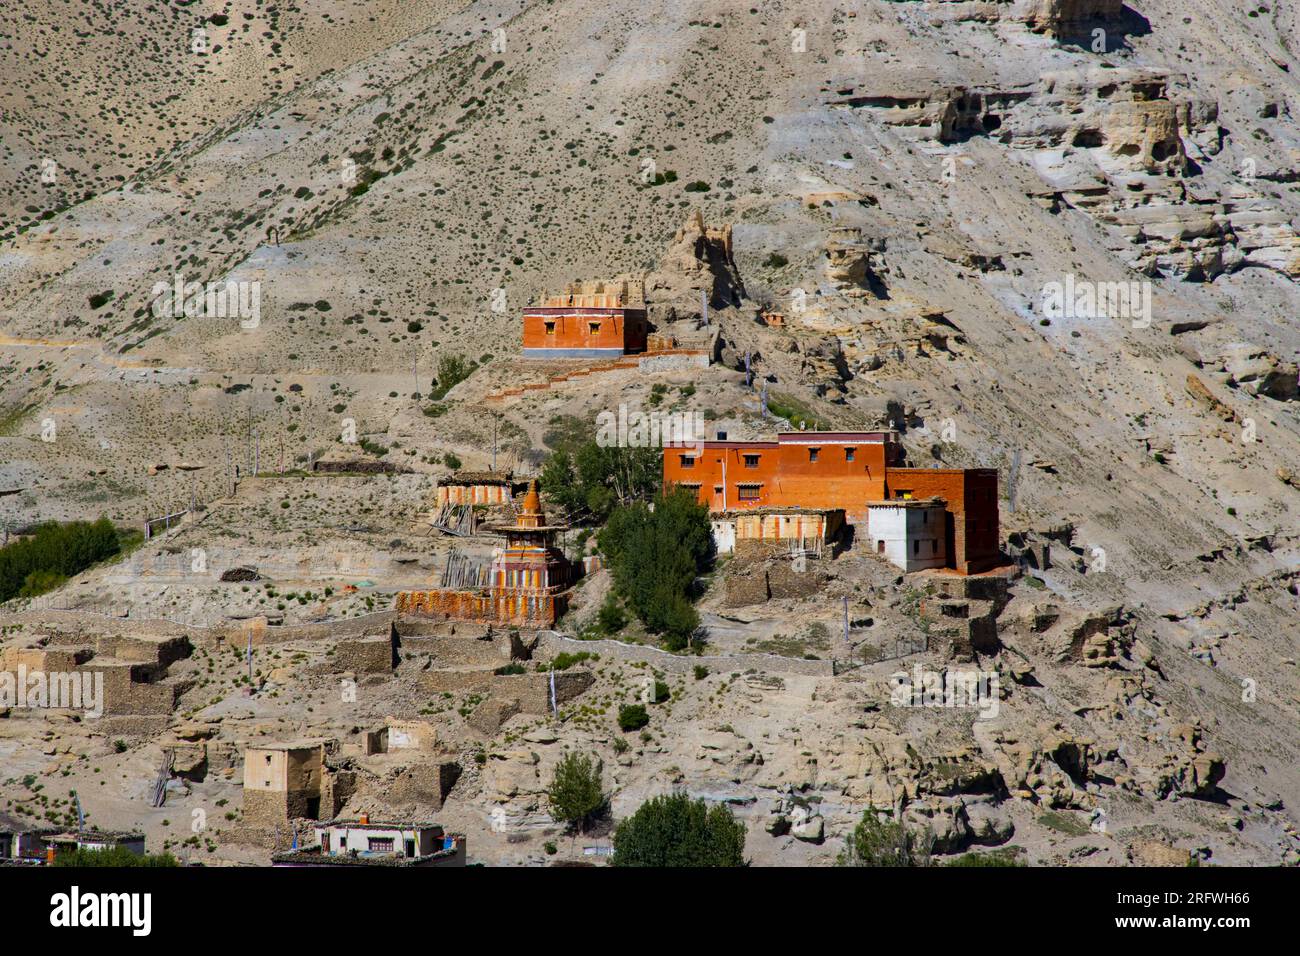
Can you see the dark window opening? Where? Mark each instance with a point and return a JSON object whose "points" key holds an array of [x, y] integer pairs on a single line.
{"points": [[848, 453], [751, 461], [812, 453]]}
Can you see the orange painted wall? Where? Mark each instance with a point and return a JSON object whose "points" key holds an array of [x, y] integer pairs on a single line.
{"points": [[972, 500], [621, 330], [785, 474]]}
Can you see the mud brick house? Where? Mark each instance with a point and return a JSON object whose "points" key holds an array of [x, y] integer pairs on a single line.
{"points": [[20, 840], [525, 583], [286, 781], [95, 840], [360, 842], [804, 529], [587, 320], [847, 471], [910, 533]]}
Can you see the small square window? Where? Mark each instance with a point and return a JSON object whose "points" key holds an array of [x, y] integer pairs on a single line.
{"points": [[688, 461], [848, 453], [812, 453], [593, 328], [550, 328], [751, 461]]}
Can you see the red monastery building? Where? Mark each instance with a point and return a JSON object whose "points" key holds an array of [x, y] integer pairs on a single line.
{"points": [[849, 472], [587, 320]]}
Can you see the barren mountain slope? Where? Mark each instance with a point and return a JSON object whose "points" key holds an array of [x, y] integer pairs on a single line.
{"points": [[903, 181]]}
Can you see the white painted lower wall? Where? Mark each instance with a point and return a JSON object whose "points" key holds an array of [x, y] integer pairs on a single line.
{"points": [[909, 534]]}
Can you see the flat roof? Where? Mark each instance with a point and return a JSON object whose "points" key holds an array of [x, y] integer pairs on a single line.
{"points": [[935, 502], [807, 437], [92, 836], [775, 510], [478, 478], [943, 471], [794, 438], [383, 825]]}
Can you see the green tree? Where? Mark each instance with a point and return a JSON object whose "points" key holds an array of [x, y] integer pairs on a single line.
{"points": [[54, 552], [117, 856], [575, 793], [452, 370], [655, 556], [632, 717], [587, 479], [675, 830], [874, 842]]}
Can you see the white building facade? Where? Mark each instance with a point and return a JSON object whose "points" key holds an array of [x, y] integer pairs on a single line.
{"points": [[909, 534]]}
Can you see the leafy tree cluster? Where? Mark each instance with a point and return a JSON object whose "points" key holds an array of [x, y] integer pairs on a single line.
{"points": [[54, 553], [452, 370], [117, 856], [876, 842], [655, 555], [588, 480], [675, 830], [575, 793]]}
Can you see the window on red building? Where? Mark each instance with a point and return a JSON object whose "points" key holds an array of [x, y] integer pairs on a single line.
{"points": [[848, 454], [812, 453], [593, 328], [688, 461], [550, 327], [751, 461], [748, 492]]}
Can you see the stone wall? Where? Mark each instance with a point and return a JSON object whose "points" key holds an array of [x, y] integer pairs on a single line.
{"points": [[365, 655], [236, 635], [674, 361], [757, 580], [425, 783], [267, 809], [458, 649], [533, 691], [554, 643], [455, 682]]}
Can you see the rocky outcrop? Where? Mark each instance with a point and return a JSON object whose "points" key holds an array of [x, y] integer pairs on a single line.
{"points": [[699, 259], [1113, 143], [1064, 18], [1258, 372], [855, 265]]}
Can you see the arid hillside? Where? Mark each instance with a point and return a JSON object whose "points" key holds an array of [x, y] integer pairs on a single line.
{"points": [[921, 190]]}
